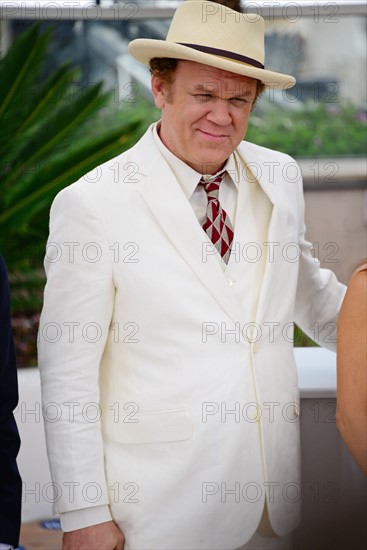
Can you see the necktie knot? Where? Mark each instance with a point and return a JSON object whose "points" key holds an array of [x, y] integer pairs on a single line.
{"points": [[211, 186]]}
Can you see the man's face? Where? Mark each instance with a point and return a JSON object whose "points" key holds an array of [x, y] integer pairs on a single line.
{"points": [[204, 113]]}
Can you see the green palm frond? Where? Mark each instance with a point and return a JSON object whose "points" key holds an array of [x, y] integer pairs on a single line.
{"points": [[48, 141], [38, 189], [58, 128], [44, 96], [20, 67]]}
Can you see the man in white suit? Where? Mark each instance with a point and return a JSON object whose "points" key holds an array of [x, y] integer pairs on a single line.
{"points": [[166, 349]]}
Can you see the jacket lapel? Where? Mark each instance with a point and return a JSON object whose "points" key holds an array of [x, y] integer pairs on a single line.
{"points": [[173, 212], [270, 182]]}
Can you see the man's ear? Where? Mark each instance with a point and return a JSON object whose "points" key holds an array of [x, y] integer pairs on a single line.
{"points": [[159, 91]]}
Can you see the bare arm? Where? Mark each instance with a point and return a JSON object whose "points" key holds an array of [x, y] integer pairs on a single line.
{"points": [[351, 362]]}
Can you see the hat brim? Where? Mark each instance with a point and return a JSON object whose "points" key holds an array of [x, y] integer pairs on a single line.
{"points": [[144, 49]]}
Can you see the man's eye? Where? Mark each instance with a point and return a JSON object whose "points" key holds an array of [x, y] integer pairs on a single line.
{"points": [[203, 97], [240, 100]]}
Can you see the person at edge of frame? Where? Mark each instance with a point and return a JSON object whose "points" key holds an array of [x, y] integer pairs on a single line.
{"points": [[351, 416], [10, 480]]}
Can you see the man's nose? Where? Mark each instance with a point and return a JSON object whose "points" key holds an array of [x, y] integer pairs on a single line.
{"points": [[219, 113]]}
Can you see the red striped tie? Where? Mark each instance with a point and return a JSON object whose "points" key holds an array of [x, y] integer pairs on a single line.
{"points": [[217, 225]]}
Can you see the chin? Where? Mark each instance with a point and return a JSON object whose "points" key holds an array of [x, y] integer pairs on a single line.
{"points": [[215, 158], [208, 164]]}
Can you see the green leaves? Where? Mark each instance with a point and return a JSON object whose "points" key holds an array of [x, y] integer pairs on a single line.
{"points": [[324, 129], [20, 67], [47, 142]]}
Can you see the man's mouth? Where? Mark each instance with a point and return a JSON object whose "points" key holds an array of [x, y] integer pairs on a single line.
{"points": [[212, 136]]}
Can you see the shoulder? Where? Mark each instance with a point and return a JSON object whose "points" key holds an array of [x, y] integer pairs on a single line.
{"points": [[278, 172], [353, 309], [361, 268], [357, 287], [246, 147], [120, 174], [271, 165]]}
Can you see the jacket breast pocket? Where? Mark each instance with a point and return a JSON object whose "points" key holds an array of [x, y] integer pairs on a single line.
{"points": [[154, 427]]}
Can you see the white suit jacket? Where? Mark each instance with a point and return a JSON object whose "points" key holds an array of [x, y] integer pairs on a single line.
{"points": [[162, 397]]}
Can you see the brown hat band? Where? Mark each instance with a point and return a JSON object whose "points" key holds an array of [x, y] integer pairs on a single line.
{"points": [[224, 53]]}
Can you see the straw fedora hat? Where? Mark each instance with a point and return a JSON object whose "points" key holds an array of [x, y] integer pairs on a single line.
{"points": [[214, 35]]}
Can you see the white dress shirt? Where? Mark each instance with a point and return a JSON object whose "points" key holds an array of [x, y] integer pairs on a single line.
{"points": [[189, 179]]}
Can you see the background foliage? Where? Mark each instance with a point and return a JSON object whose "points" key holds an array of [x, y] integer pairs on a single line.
{"points": [[48, 141], [312, 130], [55, 130]]}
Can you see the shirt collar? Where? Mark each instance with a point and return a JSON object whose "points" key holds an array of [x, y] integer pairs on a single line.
{"points": [[187, 177]]}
